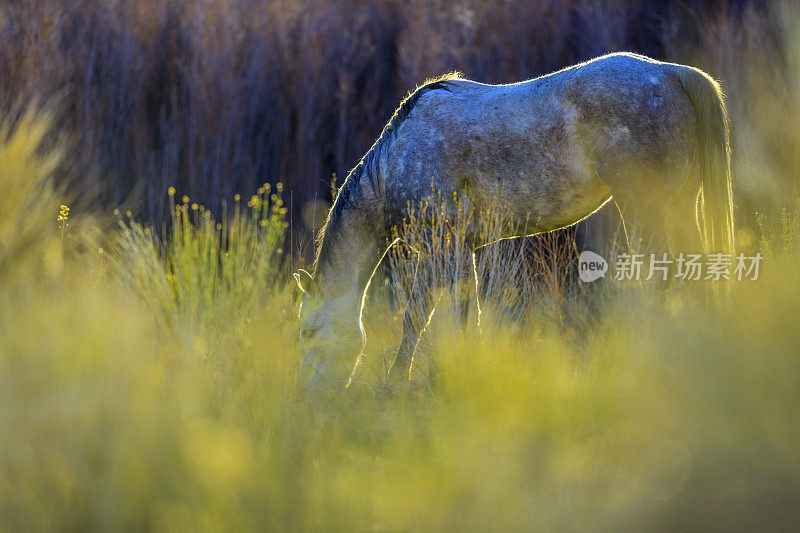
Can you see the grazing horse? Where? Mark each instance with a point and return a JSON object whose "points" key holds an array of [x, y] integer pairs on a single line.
{"points": [[651, 135]]}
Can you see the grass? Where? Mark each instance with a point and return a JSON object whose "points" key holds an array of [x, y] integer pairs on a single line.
{"points": [[153, 385]]}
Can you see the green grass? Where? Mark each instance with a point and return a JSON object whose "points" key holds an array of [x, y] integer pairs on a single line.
{"points": [[153, 384]]}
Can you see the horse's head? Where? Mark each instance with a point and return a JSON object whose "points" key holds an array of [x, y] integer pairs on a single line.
{"points": [[330, 335]]}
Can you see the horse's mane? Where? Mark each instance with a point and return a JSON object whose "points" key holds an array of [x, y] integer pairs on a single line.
{"points": [[350, 192]]}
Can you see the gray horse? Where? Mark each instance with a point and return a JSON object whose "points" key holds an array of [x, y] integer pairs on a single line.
{"points": [[651, 135]]}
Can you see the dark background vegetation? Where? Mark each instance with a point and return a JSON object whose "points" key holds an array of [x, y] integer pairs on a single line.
{"points": [[215, 97]]}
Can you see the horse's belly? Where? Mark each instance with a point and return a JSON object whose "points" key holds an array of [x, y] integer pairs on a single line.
{"points": [[562, 203]]}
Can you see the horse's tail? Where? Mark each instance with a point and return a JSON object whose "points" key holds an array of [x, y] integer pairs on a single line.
{"points": [[711, 157]]}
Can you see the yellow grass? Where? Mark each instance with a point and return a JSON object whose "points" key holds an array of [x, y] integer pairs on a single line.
{"points": [[153, 384]]}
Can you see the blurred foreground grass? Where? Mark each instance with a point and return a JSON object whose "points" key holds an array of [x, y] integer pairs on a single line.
{"points": [[153, 384]]}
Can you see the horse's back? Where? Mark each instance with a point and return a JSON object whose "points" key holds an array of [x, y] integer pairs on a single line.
{"points": [[507, 143], [538, 145]]}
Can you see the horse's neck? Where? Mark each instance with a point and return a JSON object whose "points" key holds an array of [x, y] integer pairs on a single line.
{"points": [[346, 269]]}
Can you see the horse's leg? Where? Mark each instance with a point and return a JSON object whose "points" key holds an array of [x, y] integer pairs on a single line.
{"points": [[644, 221], [425, 293], [642, 195], [647, 202], [465, 288], [683, 229], [421, 304]]}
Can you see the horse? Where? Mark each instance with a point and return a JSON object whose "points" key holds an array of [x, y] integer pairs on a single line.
{"points": [[651, 136]]}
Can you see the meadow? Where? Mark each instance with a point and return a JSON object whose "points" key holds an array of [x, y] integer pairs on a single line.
{"points": [[150, 381], [149, 375]]}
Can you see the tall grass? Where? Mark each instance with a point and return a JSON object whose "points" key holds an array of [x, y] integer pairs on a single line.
{"points": [[26, 233], [143, 387], [522, 280]]}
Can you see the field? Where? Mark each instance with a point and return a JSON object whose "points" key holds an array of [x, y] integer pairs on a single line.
{"points": [[149, 372]]}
